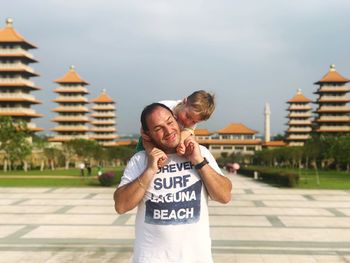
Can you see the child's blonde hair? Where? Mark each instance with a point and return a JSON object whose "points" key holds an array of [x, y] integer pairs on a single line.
{"points": [[202, 102]]}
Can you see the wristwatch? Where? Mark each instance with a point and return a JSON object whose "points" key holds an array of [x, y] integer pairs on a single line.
{"points": [[201, 164]]}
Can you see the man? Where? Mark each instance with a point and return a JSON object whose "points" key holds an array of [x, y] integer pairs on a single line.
{"points": [[172, 222]]}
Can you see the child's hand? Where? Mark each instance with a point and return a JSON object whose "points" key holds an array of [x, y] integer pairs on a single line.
{"points": [[181, 149]]}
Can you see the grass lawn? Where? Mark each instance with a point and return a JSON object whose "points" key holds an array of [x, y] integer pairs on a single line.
{"points": [[308, 178], [51, 178]]}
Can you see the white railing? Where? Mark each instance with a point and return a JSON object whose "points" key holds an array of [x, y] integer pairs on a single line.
{"points": [[107, 136], [71, 98], [300, 137], [17, 65], [72, 108], [16, 81], [337, 88], [17, 95], [333, 98], [335, 128], [299, 122], [334, 118], [299, 107], [19, 110], [335, 108], [71, 127], [295, 114], [15, 51], [103, 115], [70, 137], [103, 107], [71, 118], [294, 129]]}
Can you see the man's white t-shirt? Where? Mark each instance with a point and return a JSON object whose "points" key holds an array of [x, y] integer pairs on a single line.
{"points": [[172, 221]]}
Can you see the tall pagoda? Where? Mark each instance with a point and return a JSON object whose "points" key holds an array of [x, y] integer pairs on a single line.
{"points": [[333, 113], [299, 124], [104, 130], [15, 73], [72, 120]]}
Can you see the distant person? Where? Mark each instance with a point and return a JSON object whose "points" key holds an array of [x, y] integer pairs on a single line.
{"points": [[172, 222], [82, 168], [188, 112], [88, 167]]}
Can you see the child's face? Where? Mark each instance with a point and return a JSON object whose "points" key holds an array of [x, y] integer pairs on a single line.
{"points": [[188, 117]]}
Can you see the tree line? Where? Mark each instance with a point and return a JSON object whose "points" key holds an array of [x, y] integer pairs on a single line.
{"points": [[17, 150]]}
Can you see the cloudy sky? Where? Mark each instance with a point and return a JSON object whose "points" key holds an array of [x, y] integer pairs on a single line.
{"points": [[246, 52]]}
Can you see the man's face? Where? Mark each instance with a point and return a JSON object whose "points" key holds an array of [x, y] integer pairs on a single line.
{"points": [[163, 129]]}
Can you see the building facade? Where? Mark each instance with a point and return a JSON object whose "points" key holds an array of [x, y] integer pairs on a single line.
{"points": [[299, 120], [235, 138], [72, 108], [16, 86], [104, 120], [332, 110]]}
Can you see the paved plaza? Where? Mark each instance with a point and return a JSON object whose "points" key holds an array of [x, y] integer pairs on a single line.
{"points": [[260, 224]]}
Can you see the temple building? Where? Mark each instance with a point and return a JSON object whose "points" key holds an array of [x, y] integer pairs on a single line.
{"points": [[235, 138], [72, 111], [15, 73], [299, 124], [104, 131], [333, 113]]}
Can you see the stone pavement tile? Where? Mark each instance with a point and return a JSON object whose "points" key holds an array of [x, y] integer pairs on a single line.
{"points": [[7, 201], [240, 258], [55, 219], [345, 211], [21, 190], [73, 202], [269, 211], [239, 221], [81, 232], [332, 198], [233, 203], [25, 209], [292, 221], [268, 197], [300, 191], [280, 234], [96, 210], [86, 190], [43, 195], [320, 204], [8, 230], [92, 210], [90, 257], [331, 259]]}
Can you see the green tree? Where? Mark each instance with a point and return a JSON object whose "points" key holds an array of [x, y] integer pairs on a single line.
{"points": [[14, 141]]}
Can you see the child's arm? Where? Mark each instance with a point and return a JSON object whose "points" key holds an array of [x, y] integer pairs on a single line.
{"points": [[185, 133]]}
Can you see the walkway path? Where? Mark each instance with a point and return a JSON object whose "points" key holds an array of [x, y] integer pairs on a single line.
{"points": [[261, 224]]}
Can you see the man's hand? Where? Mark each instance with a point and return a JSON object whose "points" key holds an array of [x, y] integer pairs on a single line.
{"points": [[156, 159]]}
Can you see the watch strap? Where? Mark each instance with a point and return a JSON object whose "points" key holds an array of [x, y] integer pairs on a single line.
{"points": [[201, 164]]}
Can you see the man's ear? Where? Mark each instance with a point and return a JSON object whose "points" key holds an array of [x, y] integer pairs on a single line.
{"points": [[145, 136]]}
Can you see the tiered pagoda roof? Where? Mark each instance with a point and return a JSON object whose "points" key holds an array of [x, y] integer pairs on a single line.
{"points": [[15, 75]]}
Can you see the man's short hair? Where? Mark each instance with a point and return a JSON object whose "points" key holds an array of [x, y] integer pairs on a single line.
{"points": [[148, 110]]}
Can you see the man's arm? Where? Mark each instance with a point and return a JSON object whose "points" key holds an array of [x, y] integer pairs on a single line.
{"points": [[219, 187], [128, 196]]}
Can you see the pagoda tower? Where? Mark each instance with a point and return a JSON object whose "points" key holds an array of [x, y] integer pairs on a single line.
{"points": [[15, 73], [104, 130], [72, 120], [299, 120], [333, 113]]}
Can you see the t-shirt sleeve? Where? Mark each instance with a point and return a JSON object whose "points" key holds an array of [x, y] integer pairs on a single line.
{"points": [[212, 162], [170, 103], [134, 168]]}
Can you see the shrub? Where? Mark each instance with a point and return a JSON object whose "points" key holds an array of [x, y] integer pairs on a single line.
{"points": [[107, 178]]}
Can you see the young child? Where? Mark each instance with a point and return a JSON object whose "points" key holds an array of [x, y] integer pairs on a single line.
{"points": [[188, 112]]}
